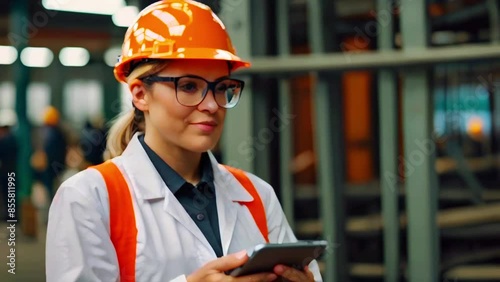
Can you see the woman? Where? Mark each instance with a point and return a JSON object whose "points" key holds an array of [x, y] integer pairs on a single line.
{"points": [[183, 217]]}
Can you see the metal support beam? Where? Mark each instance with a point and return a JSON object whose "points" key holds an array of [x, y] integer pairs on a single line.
{"points": [[238, 144], [495, 92], [388, 122], [285, 106], [56, 77], [421, 184], [373, 60], [111, 94], [389, 177], [416, 21], [260, 108], [329, 142], [421, 187], [493, 10], [112, 99], [329, 151], [22, 78]]}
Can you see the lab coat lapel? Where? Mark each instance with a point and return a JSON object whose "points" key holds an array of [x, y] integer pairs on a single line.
{"points": [[227, 212], [229, 194], [141, 172], [173, 207]]}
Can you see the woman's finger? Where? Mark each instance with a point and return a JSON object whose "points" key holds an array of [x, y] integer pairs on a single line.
{"points": [[228, 262], [293, 274], [261, 277], [309, 273]]}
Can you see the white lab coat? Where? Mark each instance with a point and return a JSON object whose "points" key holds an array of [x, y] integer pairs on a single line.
{"points": [[170, 246]]}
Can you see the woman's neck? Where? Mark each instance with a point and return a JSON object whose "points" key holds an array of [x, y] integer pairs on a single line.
{"points": [[184, 162]]}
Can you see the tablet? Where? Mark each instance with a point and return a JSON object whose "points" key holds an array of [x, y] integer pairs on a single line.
{"points": [[264, 257]]}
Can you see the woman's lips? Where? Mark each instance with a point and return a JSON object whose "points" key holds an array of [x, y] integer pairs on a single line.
{"points": [[207, 127]]}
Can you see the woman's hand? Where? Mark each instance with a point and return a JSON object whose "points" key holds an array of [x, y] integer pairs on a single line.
{"points": [[294, 275], [214, 270]]}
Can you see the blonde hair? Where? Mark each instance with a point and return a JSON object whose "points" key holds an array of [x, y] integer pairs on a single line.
{"points": [[132, 121]]}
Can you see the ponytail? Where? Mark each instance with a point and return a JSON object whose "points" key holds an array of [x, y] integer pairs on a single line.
{"points": [[122, 131]]}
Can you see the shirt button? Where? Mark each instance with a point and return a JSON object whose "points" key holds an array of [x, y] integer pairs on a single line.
{"points": [[200, 216]]}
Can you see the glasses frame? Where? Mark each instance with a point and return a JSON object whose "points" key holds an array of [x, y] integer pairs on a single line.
{"points": [[210, 86]]}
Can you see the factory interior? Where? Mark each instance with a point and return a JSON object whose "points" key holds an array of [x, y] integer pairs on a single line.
{"points": [[377, 123]]}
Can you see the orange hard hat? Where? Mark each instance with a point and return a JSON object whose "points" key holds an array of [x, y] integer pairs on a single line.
{"points": [[176, 29], [51, 116]]}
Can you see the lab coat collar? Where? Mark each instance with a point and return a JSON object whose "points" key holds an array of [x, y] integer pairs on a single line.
{"points": [[227, 184], [142, 172], [230, 193], [144, 175]]}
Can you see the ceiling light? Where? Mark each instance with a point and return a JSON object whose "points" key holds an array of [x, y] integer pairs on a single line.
{"points": [[74, 56], [111, 56], [106, 7], [36, 57], [8, 55], [125, 16]]}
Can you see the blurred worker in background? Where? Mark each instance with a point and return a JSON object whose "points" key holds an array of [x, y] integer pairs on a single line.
{"points": [[93, 142], [8, 155], [49, 160], [164, 209]]}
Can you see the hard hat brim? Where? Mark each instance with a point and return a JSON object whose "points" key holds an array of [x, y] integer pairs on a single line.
{"points": [[122, 70]]}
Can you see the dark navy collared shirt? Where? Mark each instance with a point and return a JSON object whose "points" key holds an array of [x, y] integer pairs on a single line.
{"points": [[198, 201]]}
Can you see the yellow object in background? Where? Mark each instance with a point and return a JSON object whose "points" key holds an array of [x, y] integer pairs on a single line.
{"points": [[51, 116], [475, 128]]}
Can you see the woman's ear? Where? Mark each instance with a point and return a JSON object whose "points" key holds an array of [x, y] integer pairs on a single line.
{"points": [[138, 92]]}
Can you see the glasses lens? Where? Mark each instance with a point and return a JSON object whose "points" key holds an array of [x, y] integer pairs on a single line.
{"points": [[190, 90], [227, 92]]}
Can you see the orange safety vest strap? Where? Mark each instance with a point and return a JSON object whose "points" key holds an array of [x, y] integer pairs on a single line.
{"points": [[121, 219], [256, 207]]}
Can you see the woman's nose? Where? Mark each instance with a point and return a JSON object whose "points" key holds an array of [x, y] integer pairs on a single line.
{"points": [[209, 104]]}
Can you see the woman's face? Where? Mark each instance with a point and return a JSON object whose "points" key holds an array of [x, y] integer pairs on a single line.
{"points": [[195, 128]]}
